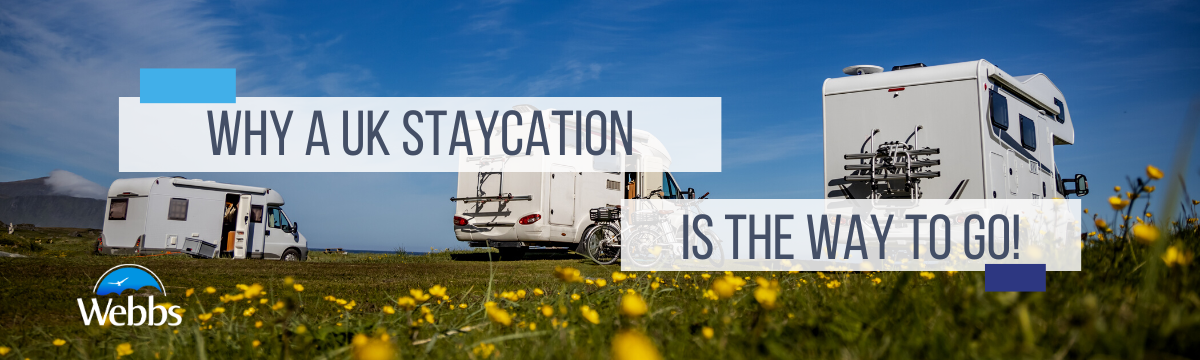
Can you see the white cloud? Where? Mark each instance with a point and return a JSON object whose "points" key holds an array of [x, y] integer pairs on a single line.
{"points": [[62, 182], [64, 66]]}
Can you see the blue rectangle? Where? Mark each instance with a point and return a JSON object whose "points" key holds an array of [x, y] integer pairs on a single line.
{"points": [[189, 86], [1014, 277]]}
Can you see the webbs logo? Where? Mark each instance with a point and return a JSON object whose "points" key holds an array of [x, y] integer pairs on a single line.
{"points": [[138, 279]]}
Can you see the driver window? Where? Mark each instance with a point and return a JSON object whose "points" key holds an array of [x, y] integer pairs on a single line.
{"points": [[275, 218], [670, 191]]}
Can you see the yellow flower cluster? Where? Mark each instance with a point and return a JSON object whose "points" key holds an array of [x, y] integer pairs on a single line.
{"points": [[497, 315], [484, 350], [766, 293], [373, 348], [633, 345], [927, 275], [589, 314], [1175, 256], [568, 274]]}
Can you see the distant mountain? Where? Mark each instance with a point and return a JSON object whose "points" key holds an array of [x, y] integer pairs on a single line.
{"points": [[32, 202]]}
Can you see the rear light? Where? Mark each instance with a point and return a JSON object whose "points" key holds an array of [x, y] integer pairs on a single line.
{"points": [[529, 219], [460, 221]]}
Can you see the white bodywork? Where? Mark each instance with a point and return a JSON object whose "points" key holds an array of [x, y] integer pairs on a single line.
{"points": [[952, 105], [150, 224], [562, 197]]}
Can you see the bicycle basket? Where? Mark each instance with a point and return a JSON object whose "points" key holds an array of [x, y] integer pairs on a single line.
{"points": [[607, 213]]}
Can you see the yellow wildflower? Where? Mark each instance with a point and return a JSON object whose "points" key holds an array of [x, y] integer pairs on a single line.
{"points": [[189, 292], [388, 309], [1153, 172], [706, 276], [210, 290], [1117, 202], [462, 306], [366, 348], [574, 297], [538, 291], [419, 295], [204, 317], [633, 345], [59, 342], [632, 305], [547, 310], [288, 280], [407, 302], [484, 350], [350, 306], [1145, 233], [766, 293], [298, 287], [568, 274], [255, 343], [590, 315], [1101, 224], [248, 312], [498, 315], [4, 350], [601, 282], [618, 276], [1175, 256], [877, 281], [278, 305], [1117, 189], [1149, 189], [833, 284], [723, 288], [218, 310], [438, 291], [124, 349], [253, 291], [258, 324], [927, 275]]}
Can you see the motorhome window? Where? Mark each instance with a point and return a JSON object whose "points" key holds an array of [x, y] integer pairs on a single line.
{"points": [[256, 213], [117, 209], [1062, 112], [1028, 133], [276, 219], [670, 191], [606, 163], [1058, 184], [178, 209], [999, 110]]}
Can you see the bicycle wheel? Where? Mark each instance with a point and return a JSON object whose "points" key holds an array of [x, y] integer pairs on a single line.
{"points": [[602, 243]]}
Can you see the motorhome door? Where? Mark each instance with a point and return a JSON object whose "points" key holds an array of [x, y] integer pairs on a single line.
{"points": [[242, 234], [562, 195]]}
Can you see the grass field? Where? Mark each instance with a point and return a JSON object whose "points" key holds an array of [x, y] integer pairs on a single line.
{"points": [[1133, 299]]}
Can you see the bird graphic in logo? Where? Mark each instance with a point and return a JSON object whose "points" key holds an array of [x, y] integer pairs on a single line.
{"points": [[127, 276]]}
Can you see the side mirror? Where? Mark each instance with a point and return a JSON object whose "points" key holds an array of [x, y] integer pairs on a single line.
{"points": [[295, 228], [1081, 185]]}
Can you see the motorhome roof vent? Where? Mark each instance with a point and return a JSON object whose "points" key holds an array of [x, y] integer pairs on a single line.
{"points": [[909, 66], [862, 70]]}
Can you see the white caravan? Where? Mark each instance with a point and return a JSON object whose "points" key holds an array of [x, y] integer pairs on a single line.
{"points": [[959, 131], [203, 218], [512, 211]]}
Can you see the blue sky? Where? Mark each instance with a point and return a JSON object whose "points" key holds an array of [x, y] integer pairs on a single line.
{"points": [[1127, 69]]}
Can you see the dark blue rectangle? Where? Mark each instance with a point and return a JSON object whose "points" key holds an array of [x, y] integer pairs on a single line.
{"points": [[1014, 277]]}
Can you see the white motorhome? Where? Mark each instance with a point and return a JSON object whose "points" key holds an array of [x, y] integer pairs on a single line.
{"points": [[958, 131], [173, 214], [513, 211]]}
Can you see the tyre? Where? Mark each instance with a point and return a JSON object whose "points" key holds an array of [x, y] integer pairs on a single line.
{"points": [[512, 253], [290, 255], [602, 243]]}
